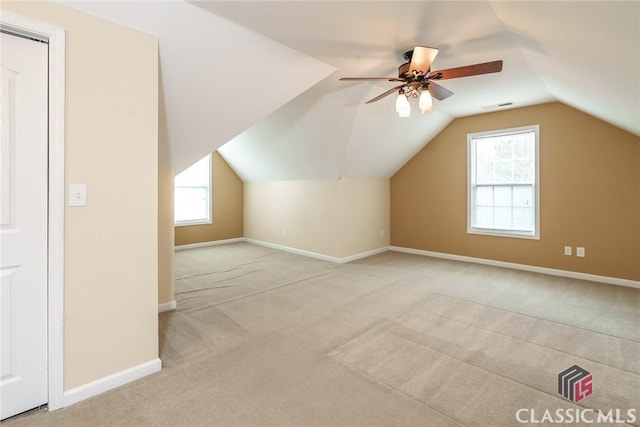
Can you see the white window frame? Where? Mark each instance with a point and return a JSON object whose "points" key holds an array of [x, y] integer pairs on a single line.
{"points": [[471, 184], [209, 218]]}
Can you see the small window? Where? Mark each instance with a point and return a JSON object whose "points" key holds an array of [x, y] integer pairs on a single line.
{"points": [[503, 191], [192, 196]]}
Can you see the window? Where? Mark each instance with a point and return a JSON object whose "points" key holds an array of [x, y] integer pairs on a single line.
{"points": [[503, 191], [192, 196]]}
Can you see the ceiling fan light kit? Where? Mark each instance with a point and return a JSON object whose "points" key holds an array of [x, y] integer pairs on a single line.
{"points": [[403, 108], [425, 102], [417, 79]]}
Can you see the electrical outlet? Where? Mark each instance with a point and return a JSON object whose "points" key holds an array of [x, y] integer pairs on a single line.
{"points": [[381, 232], [77, 195], [580, 252], [284, 231], [567, 250]]}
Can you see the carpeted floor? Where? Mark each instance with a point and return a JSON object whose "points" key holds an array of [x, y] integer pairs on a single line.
{"points": [[267, 338]]}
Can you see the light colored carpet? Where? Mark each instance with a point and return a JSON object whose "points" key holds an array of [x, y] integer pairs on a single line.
{"points": [[267, 338]]}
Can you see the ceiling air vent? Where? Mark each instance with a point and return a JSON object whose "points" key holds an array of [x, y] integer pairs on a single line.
{"points": [[494, 106]]}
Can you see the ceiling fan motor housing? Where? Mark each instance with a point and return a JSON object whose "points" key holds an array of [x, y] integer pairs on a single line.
{"points": [[405, 74]]}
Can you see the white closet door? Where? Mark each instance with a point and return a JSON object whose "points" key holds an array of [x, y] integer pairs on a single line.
{"points": [[23, 225]]}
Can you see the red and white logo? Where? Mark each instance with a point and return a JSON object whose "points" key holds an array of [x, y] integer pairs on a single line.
{"points": [[575, 383]]}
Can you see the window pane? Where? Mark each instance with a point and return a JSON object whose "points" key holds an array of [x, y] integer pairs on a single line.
{"points": [[191, 204], [192, 193], [523, 171], [502, 218], [484, 172], [484, 161], [483, 218], [502, 196], [520, 148], [523, 219], [504, 172], [484, 196], [503, 148], [523, 196]]}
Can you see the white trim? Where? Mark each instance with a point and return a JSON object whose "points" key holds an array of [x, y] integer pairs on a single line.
{"points": [[167, 306], [364, 254], [295, 250], [535, 269], [532, 268], [319, 255], [210, 243], [194, 222], [286, 249], [56, 37], [110, 382]]}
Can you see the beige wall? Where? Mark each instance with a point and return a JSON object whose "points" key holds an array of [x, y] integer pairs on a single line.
{"points": [[227, 205], [337, 218], [110, 284], [589, 191], [166, 289]]}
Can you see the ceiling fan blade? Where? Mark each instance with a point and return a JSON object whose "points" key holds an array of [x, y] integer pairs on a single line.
{"points": [[439, 92], [422, 58], [382, 95], [467, 70], [390, 79]]}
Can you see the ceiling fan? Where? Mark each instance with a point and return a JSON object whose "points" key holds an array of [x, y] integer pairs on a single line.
{"points": [[418, 79]]}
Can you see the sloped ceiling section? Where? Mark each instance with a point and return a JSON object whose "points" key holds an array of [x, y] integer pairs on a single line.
{"points": [[585, 54], [261, 77], [322, 134], [339, 134], [304, 139], [218, 77]]}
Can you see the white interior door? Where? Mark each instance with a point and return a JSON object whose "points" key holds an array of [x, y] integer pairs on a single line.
{"points": [[23, 225]]}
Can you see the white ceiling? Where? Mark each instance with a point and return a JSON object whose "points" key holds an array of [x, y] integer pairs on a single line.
{"points": [[264, 75]]}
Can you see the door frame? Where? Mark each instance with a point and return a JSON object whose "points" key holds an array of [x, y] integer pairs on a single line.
{"points": [[56, 200]]}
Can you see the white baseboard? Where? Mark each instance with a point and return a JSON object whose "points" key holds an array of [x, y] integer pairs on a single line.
{"points": [[211, 243], [532, 268], [364, 254], [167, 306], [544, 270], [294, 250], [110, 382], [316, 254]]}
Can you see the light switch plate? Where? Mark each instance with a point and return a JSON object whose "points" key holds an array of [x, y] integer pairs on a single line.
{"points": [[78, 195]]}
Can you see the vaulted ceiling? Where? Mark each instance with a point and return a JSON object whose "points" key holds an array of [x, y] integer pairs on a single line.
{"points": [[259, 80]]}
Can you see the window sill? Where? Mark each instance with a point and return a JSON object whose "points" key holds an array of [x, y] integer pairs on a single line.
{"points": [[497, 233], [187, 223]]}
